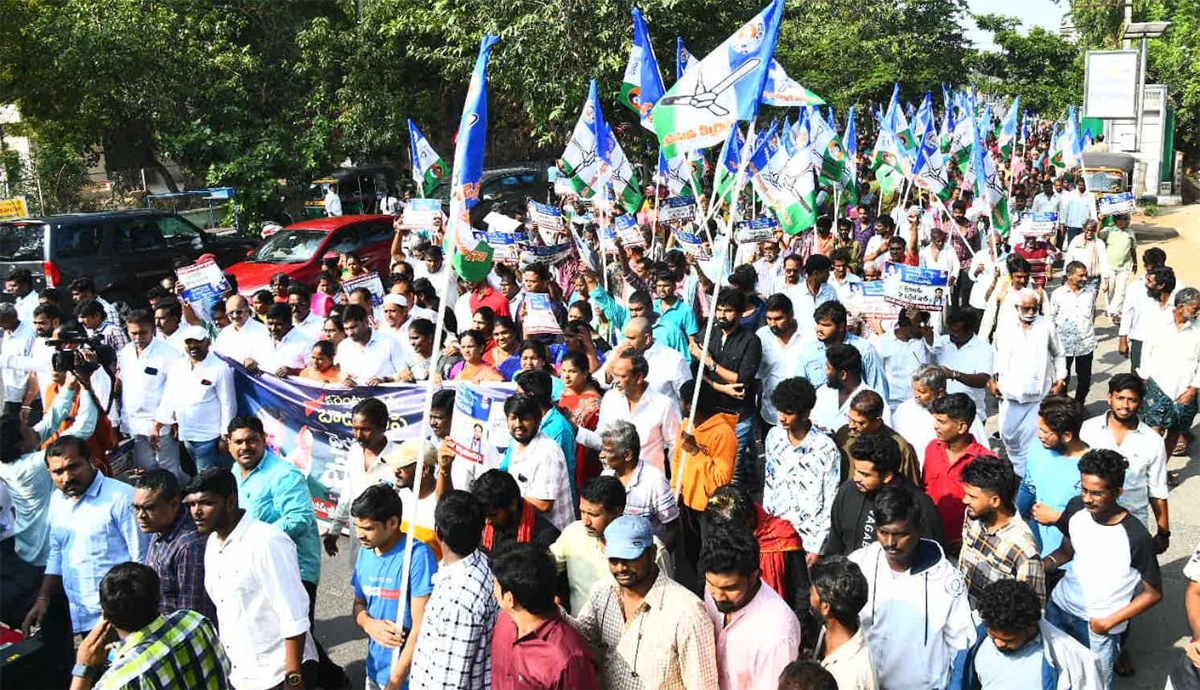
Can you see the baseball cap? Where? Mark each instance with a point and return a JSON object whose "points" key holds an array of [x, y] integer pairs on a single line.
{"points": [[409, 453], [627, 537], [195, 333]]}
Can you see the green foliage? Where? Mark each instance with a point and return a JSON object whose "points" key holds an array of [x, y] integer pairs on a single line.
{"points": [[1041, 67]]}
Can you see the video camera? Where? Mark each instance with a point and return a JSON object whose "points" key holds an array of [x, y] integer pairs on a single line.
{"points": [[64, 360]]}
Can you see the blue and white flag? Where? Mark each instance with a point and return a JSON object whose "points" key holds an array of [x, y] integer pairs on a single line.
{"points": [[643, 85]]}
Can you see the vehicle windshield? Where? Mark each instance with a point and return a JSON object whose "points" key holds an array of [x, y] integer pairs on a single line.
{"points": [[1105, 181], [317, 191], [22, 241], [289, 247]]}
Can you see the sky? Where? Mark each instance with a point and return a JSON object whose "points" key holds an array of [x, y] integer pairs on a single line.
{"points": [[1044, 13]]}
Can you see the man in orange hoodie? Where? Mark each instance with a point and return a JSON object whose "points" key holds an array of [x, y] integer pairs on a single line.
{"points": [[703, 461]]}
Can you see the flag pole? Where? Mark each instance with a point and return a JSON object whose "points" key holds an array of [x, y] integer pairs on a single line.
{"points": [[712, 309], [657, 200]]}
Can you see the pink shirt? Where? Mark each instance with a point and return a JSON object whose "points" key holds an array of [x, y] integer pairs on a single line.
{"points": [[760, 639]]}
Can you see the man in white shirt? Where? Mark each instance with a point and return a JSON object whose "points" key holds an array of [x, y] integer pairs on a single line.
{"points": [[656, 417], [364, 465], [200, 403], [145, 363], [396, 321], [168, 317], [843, 371], [1029, 365], [668, 370], [1072, 307], [17, 342], [1146, 310], [300, 302], [913, 420], [243, 334], [842, 278], [538, 463], [812, 292], [46, 320], [252, 575], [19, 284], [1171, 367], [333, 202], [1047, 200], [904, 349], [367, 356], [1145, 492], [286, 350], [781, 342]]}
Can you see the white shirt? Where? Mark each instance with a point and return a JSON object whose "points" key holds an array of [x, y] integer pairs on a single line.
{"points": [[19, 343], [668, 370], [1144, 315], [380, 357], [333, 204], [293, 351], [915, 424], [1171, 356], [201, 399], [175, 340], [1074, 319], [984, 279], [1045, 204], [945, 260], [776, 364], [1093, 255], [842, 287], [805, 303], [900, 359], [1146, 476], [541, 471], [1029, 361], [313, 325], [975, 357], [828, 416], [656, 417], [358, 477], [253, 577], [25, 306], [238, 344], [143, 381]]}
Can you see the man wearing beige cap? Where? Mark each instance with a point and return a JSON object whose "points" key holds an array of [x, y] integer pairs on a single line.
{"points": [[404, 459]]}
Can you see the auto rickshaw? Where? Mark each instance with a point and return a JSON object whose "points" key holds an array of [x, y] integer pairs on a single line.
{"points": [[359, 188], [1108, 173]]}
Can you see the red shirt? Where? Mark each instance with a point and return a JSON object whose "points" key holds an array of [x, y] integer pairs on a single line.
{"points": [[1039, 260], [552, 657], [492, 298], [943, 483]]}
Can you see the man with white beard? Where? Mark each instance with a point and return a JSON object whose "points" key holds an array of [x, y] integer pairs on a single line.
{"points": [[912, 418]]}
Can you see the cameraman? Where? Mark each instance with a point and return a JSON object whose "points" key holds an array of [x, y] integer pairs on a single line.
{"points": [[87, 359]]}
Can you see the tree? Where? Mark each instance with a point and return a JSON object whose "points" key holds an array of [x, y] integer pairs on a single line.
{"points": [[1041, 67]]}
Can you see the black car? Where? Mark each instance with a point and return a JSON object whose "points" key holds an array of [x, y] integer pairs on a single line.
{"points": [[124, 252], [515, 182]]}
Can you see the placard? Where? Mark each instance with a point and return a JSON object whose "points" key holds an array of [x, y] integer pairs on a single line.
{"points": [[677, 209], [545, 217], [549, 255], [1043, 223], [757, 230], [506, 246], [13, 208], [421, 214], [1116, 204], [539, 315], [912, 286], [691, 243], [371, 282], [471, 429], [203, 283], [627, 230]]}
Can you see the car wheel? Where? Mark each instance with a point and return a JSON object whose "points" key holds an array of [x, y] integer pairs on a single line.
{"points": [[121, 301]]}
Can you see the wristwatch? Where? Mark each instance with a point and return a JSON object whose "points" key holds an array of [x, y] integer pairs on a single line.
{"points": [[294, 680], [90, 673]]}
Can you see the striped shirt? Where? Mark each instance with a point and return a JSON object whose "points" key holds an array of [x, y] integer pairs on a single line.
{"points": [[178, 650]]}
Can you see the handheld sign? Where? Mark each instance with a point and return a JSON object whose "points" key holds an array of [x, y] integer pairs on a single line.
{"points": [[421, 214], [627, 229], [757, 230], [1043, 223], [551, 255], [911, 286], [691, 243], [678, 209], [369, 281], [471, 428], [203, 282], [1116, 204], [545, 217], [539, 316]]}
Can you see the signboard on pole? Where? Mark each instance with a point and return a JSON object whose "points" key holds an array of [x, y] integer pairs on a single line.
{"points": [[13, 208], [1110, 84]]}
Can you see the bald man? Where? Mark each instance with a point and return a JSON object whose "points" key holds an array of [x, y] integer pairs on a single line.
{"points": [[244, 334], [668, 369]]}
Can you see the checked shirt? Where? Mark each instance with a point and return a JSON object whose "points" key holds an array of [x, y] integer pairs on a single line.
{"points": [[178, 650]]}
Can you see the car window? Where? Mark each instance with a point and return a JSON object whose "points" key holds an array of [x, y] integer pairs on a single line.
{"points": [[346, 240], [377, 232], [137, 235], [179, 233], [289, 247], [22, 241], [74, 241]]}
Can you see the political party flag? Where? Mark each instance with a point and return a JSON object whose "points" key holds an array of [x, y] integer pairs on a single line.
{"points": [[684, 60], [585, 161], [643, 85], [897, 123], [776, 183], [827, 149], [930, 171], [699, 109], [673, 172], [1009, 129], [850, 146], [627, 190], [946, 133], [428, 168], [1070, 143], [924, 121], [472, 259], [782, 90]]}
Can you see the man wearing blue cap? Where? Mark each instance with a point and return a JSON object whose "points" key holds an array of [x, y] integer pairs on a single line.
{"points": [[648, 630]]}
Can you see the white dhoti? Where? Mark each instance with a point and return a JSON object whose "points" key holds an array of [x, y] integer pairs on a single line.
{"points": [[1117, 286], [1018, 428]]}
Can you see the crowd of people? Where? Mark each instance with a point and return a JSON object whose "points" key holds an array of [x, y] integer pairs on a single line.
{"points": [[722, 473]]}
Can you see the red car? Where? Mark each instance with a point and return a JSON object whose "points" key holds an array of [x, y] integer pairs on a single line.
{"points": [[297, 250]]}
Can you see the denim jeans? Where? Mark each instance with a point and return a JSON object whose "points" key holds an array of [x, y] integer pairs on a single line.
{"points": [[746, 473], [1107, 647], [208, 454]]}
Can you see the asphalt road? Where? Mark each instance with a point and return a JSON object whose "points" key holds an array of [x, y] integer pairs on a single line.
{"points": [[1157, 636]]}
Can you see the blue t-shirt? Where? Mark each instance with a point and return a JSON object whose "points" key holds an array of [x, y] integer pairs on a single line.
{"points": [[1019, 669], [1052, 479], [377, 580]]}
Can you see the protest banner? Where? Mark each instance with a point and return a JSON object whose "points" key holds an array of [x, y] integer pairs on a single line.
{"points": [[308, 424], [757, 230], [506, 246], [1116, 204], [539, 317], [551, 255], [421, 214], [691, 243], [13, 208], [371, 282], [545, 217], [1043, 224], [869, 303], [911, 286], [677, 209], [627, 230], [478, 417], [203, 283]]}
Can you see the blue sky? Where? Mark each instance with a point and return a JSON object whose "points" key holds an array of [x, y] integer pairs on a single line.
{"points": [[1044, 13]]}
